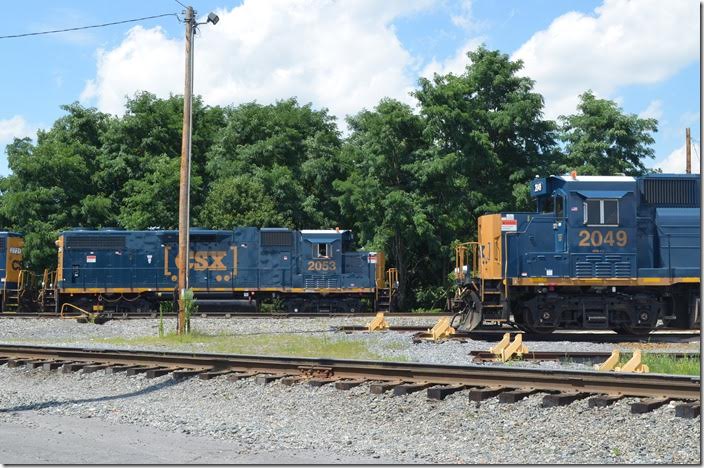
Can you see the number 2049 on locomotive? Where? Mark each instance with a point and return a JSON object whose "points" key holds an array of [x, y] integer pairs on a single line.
{"points": [[301, 271], [612, 252]]}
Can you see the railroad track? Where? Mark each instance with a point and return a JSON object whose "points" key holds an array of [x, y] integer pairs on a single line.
{"points": [[574, 356], [660, 335], [227, 315], [510, 384]]}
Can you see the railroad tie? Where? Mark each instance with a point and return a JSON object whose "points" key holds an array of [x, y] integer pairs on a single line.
{"points": [[320, 382], [72, 367], [484, 393], [379, 388], [142, 370], [35, 364], [265, 379], [15, 362], [118, 368], [405, 389], [562, 399], [94, 367], [348, 384], [150, 374], [212, 374], [516, 395], [443, 391], [602, 401], [52, 365], [234, 377], [184, 373], [688, 410], [648, 405], [291, 380]]}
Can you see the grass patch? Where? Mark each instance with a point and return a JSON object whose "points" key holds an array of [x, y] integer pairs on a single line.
{"points": [[301, 345], [664, 364]]}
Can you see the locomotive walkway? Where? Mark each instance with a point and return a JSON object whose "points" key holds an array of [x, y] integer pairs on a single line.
{"points": [[478, 382]]}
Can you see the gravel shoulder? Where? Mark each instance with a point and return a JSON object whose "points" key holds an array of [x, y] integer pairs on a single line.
{"points": [[36, 438], [389, 344], [324, 424]]}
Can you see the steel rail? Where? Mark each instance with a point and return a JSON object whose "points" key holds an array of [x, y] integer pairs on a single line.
{"points": [[623, 384], [581, 356], [230, 314]]}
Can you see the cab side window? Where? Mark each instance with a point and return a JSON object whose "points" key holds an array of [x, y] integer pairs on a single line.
{"points": [[322, 250], [559, 207], [601, 212]]}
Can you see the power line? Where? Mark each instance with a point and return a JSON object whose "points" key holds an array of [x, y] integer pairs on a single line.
{"points": [[88, 27]]}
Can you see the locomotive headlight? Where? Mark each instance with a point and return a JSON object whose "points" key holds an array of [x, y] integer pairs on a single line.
{"points": [[644, 316]]}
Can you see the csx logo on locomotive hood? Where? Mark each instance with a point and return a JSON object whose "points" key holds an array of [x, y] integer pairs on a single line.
{"points": [[207, 260]]}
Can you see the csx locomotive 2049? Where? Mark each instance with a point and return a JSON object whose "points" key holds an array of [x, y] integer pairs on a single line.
{"points": [[614, 253], [305, 271]]}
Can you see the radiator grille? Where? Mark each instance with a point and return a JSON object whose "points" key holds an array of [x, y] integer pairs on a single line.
{"points": [[315, 282], [277, 238], [97, 242], [608, 266], [677, 193]]}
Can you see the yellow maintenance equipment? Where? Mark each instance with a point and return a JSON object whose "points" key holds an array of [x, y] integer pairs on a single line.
{"points": [[441, 330], [610, 363], [633, 365], [378, 323], [506, 349], [82, 312]]}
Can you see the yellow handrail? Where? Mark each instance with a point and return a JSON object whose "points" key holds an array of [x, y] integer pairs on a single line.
{"points": [[461, 259], [392, 279], [84, 313]]}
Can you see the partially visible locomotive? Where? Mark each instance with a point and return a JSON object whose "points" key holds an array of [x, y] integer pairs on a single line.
{"points": [[11, 273], [614, 253], [302, 271]]}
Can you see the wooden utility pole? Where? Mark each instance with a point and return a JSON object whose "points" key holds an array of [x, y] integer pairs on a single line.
{"points": [[185, 183], [688, 151]]}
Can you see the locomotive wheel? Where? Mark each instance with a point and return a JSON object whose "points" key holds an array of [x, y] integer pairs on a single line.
{"points": [[472, 312], [528, 325]]}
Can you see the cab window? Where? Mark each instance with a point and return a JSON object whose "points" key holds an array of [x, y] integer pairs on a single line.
{"points": [[559, 207], [601, 212], [322, 250]]}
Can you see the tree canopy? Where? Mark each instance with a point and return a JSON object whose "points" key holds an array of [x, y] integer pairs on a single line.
{"points": [[408, 181]]}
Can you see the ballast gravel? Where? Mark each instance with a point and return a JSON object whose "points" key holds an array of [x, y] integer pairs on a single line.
{"points": [[405, 429], [389, 344]]}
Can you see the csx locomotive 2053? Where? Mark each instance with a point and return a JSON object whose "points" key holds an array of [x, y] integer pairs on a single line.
{"points": [[305, 271], [615, 253]]}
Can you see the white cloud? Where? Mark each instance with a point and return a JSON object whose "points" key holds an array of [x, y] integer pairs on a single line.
{"points": [[14, 127], [464, 17], [623, 43], [675, 162], [343, 56], [653, 111], [455, 64]]}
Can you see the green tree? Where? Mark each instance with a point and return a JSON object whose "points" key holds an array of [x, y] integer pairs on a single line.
{"points": [[292, 150], [50, 181], [491, 137], [600, 139], [380, 197]]}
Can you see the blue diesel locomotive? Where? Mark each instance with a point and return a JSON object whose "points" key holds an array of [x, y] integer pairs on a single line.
{"points": [[614, 253], [116, 271]]}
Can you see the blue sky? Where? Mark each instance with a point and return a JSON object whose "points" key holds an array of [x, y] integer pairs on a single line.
{"points": [[347, 54]]}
